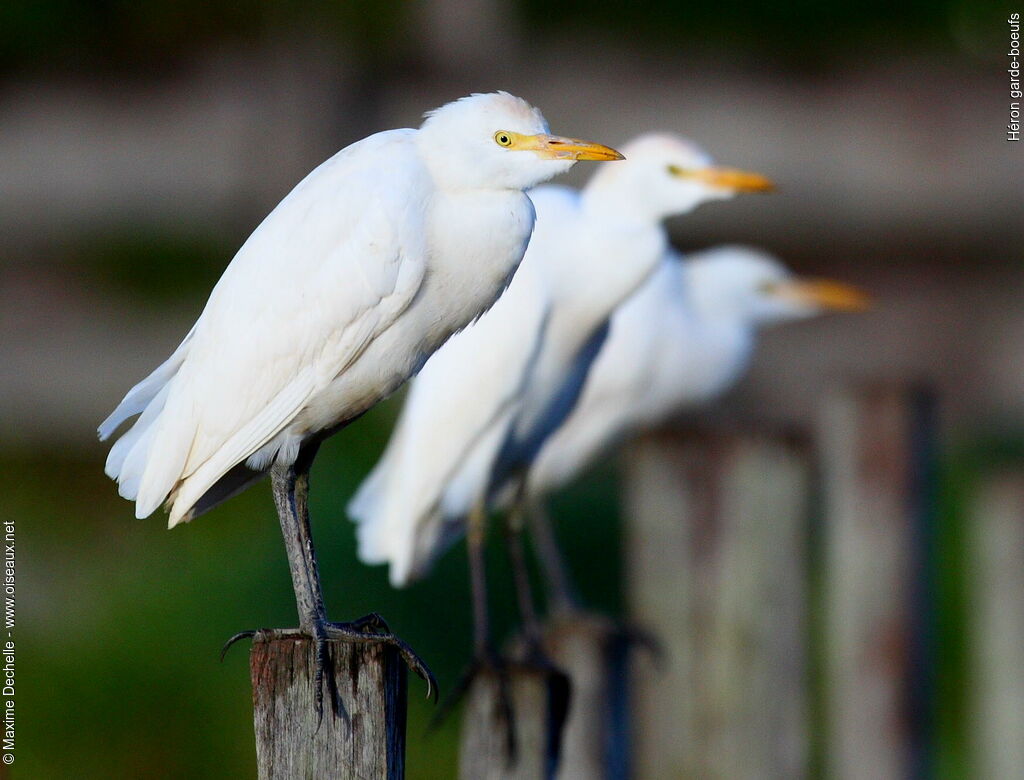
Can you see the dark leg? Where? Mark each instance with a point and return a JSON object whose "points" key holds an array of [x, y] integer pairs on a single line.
{"points": [[291, 489], [521, 576], [485, 659], [536, 655], [475, 531], [561, 592], [291, 493], [562, 597]]}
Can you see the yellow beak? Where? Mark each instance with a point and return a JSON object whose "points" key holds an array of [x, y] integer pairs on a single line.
{"points": [[823, 293], [728, 179], [553, 147]]}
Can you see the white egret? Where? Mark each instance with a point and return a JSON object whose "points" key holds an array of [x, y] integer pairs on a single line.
{"points": [[482, 406], [683, 338], [342, 292]]}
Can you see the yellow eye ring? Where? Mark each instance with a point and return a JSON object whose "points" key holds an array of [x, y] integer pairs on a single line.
{"points": [[503, 138]]}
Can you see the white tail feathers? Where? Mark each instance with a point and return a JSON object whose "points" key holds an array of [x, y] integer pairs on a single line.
{"points": [[364, 507], [123, 447], [407, 557], [163, 460], [379, 538], [130, 461], [258, 432], [142, 395], [162, 456], [394, 533]]}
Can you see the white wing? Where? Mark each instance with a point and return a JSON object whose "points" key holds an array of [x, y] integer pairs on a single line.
{"points": [[438, 460], [616, 395], [327, 271], [662, 355]]}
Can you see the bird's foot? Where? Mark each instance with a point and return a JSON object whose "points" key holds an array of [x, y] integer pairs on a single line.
{"points": [[249, 634], [535, 658], [528, 658], [634, 637], [370, 629], [486, 663], [624, 634]]}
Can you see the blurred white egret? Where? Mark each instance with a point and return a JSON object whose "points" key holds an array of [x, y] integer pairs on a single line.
{"points": [[342, 292], [683, 338], [483, 404]]}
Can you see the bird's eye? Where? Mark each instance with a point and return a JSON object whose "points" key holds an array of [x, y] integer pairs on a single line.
{"points": [[767, 288], [502, 138], [675, 170]]}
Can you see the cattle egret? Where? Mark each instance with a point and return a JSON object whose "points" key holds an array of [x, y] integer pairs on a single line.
{"points": [[483, 405], [683, 338], [342, 293]]}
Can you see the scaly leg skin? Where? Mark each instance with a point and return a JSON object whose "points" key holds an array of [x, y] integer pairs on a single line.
{"points": [[291, 489]]}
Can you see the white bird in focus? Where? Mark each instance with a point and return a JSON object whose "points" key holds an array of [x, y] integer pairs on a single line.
{"points": [[685, 337], [482, 406], [340, 294]]}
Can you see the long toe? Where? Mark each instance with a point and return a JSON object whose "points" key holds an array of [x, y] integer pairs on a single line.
{"points": [[372, 623], [324, 675], [417, 664], [358, 632], [236, 638]]}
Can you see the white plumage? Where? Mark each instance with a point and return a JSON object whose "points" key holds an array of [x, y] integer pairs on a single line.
{"points": [[684, 338], [342, 292], [482, 406]]}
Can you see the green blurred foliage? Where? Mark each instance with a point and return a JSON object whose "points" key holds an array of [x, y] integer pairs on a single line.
{"points": [[960, 474], [147, 264]]}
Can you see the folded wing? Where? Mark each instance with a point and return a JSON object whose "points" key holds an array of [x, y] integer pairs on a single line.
{"points": [[332, 267]]}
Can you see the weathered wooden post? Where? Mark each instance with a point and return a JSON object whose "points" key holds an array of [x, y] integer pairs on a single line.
{"points": [[491, 747], [716, 567], [875, 446], [366, 739], [593, 652], [996, 619]]}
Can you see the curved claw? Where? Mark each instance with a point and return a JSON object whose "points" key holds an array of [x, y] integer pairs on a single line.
{"points": [[416, 663], [237, 637], [372, 623], [358, 632]]}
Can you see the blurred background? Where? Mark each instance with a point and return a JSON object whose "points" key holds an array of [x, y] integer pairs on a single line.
{"points": [[140, 144]]}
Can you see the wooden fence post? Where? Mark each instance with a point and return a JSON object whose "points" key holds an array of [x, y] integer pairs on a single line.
{"points": [[367, 740], [875, 448], [716, 569], [593, 653], [996, 549], [484, 748]]}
